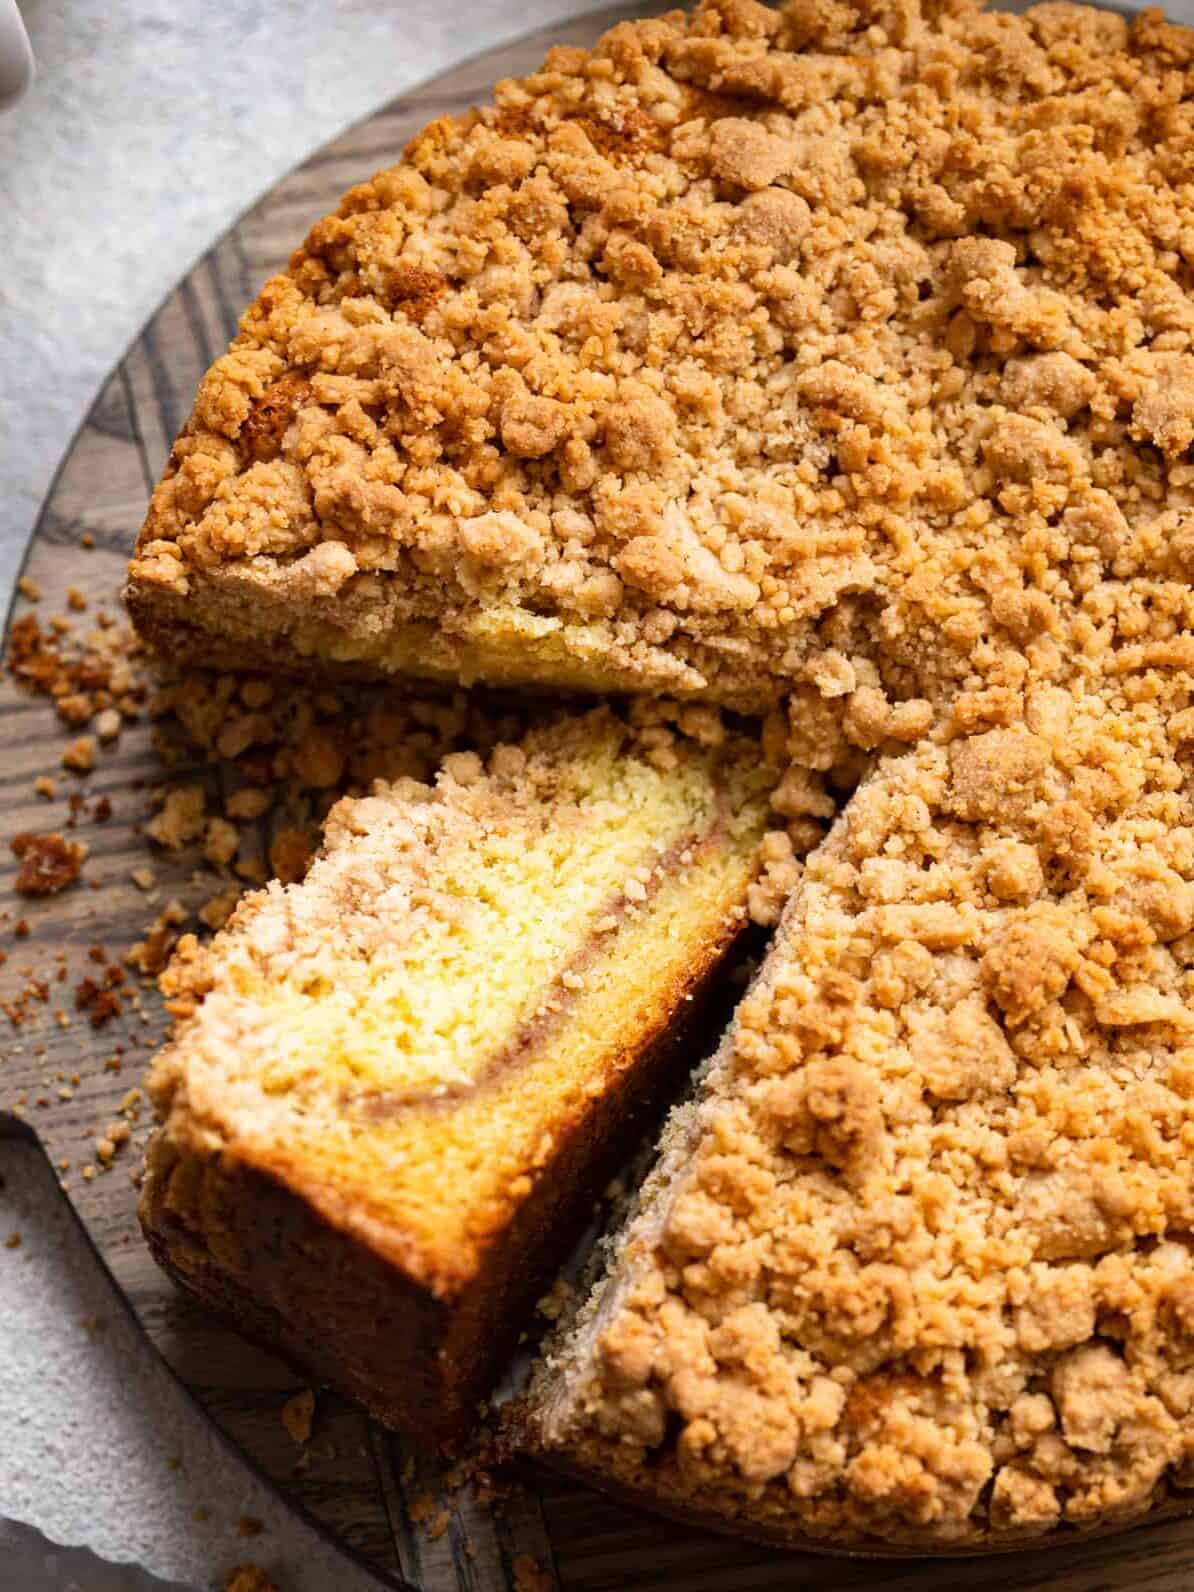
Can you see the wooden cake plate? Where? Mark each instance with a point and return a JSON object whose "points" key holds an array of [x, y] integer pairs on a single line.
{"points": [[374, 1493]]}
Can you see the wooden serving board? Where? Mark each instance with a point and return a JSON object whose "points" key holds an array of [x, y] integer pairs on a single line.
{"points": [[364, 1487]]}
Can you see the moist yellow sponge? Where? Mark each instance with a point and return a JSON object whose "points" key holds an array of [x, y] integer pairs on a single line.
{"points": [[394, 1085]]}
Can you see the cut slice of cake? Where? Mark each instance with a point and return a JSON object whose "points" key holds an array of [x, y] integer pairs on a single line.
{"points": [[838, 356], [396, 1086], [916, 1270]]}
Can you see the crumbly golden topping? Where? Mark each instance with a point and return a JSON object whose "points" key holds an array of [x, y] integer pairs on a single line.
{"points": [[681, 343], [924, 1270], [735, 324], [840, 352]]}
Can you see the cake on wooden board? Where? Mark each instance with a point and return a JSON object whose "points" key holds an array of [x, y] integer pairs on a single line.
{"points": [[396, 1087], [835, 360]]}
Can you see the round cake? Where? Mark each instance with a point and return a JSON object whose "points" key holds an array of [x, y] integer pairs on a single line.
{"points": [[833, 362]]}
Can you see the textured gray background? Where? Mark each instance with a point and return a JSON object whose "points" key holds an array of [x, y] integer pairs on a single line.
{"points": [[152, 125]]}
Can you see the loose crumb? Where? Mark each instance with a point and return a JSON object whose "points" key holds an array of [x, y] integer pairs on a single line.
{"points": [[297, 1415], [290, 855], [530, 1576], [79, 756], [249, 1578], [49, 863], [217, 909], [181, 819]]}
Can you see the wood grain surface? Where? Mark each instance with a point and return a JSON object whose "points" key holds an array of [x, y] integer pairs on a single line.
{"points": [[59, 1079]]}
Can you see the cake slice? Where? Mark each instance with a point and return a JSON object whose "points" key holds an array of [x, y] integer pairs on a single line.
{"points": [[916, 1270], [395, 1087]]}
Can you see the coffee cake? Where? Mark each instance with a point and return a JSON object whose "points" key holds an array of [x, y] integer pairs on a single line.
{"points": [[837, 361]]}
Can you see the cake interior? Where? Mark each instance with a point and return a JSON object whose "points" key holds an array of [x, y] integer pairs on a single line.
{"points": [[402, 1038]]}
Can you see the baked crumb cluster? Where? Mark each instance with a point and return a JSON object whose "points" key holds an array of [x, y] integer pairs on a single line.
{"points": [[834, 359]]}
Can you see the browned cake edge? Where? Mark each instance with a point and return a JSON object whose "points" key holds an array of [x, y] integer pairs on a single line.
{"points": [[173, 637], [210, 627], [1164, 1504], [273, 1261]]}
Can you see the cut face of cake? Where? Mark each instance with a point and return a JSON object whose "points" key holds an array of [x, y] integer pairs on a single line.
{"points": [[396, 1086]]}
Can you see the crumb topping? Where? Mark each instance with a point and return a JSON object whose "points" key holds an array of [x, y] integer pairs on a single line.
{"points": [[924, 1273]]}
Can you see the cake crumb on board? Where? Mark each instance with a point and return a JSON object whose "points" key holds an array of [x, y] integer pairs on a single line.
{"points": [[48, 863], [297, 1415], [530, 1576]]}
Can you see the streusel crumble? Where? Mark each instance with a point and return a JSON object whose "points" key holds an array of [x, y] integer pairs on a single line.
{"points": [[917, 1270]]}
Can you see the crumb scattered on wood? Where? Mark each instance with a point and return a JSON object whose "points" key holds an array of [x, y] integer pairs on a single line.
{"points": [[48, 863], [297, 1415], [79, 756], [530, 1576], [249, 1578]]}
